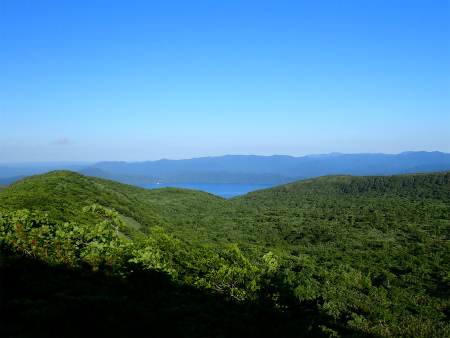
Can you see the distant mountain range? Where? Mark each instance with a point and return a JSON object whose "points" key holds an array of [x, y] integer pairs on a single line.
{"points": [[246, 169]]}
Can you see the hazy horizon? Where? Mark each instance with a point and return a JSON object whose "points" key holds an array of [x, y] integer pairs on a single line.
{"points": [[177, 159], [91, 81]]}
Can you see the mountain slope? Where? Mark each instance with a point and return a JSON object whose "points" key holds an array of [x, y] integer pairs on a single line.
{"points": [[340, 254], [63, 194], [196, 215], [287, 166], [122, 178]]}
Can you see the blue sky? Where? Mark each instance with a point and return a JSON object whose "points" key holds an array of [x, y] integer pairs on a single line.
{"points": [[145, 80]]}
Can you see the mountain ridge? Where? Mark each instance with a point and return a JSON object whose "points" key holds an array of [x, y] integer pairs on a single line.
{"points": [[249, 169]]}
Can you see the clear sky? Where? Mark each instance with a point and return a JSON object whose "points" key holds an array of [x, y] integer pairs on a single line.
{"points": [[144, 80]]}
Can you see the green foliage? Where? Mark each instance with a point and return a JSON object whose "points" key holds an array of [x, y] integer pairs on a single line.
{"points": [[69, 243], [332, 256], [63, 194], [227, 272], [144, 267]]}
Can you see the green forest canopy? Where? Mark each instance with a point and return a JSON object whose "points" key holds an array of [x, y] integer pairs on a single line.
{"points": [[331, 256]]}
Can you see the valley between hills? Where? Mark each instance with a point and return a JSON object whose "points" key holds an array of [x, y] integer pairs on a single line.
{"points": [[333, 256]]}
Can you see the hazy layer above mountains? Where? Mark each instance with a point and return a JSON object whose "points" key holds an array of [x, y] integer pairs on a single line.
{"points": [[249, 169]]}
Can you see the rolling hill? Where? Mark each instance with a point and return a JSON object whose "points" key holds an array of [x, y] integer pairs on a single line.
{"points": [[329, 256]]}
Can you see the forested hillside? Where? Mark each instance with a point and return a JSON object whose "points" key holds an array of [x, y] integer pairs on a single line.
{"points": [[330, 256]]}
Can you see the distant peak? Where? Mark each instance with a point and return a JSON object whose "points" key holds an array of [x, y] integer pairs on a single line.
{"points": [[334, 154]]}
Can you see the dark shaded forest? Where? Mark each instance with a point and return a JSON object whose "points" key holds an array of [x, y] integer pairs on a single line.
{"points": [[334, 256]]}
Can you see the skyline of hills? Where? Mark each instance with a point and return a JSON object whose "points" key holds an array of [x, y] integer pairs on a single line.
{"points": [[244, 169]]}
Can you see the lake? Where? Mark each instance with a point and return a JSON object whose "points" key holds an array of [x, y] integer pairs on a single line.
{"points": [[226, 190]]}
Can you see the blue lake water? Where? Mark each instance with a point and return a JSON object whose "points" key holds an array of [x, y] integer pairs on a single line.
{"points": [[226, 190]]}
